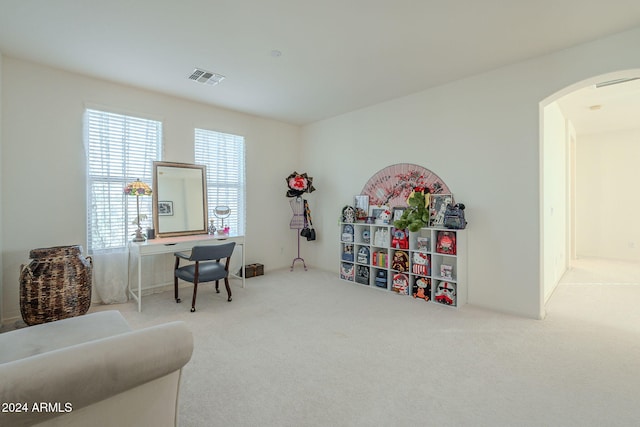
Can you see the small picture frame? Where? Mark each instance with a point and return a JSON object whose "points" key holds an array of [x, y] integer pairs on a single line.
{"points": [[165, 208], [438, 207], [361, 205], [397, 212]]}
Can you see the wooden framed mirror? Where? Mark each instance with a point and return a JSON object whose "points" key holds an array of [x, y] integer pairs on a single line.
{"points": [[179, 199]]}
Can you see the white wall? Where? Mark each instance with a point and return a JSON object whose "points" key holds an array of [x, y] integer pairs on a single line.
{"points": [[554, 204], [43, 162], [481, 135], [607, 195]]}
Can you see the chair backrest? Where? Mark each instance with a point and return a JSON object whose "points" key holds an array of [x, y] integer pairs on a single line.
{"points": [[209, 252]]}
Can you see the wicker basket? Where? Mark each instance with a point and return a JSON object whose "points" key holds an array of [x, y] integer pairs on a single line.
{"points": [[55, 285]]}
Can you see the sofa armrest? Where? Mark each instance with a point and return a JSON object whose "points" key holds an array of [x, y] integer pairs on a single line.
{"points": [[86, 373]]}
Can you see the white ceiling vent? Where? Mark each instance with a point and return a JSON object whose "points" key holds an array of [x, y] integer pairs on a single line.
{"points": [[205, 77]]}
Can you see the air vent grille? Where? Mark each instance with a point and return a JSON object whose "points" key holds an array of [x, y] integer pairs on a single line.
{"points": [[205, 77]]}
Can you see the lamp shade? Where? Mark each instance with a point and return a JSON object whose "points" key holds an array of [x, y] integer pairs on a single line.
{"points": [[137, 188]]}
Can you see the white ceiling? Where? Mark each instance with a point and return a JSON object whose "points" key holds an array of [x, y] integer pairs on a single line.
{"points": [[337, 55], [604, 109]]}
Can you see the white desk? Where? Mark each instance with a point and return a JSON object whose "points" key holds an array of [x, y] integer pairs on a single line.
{"points": [[166, 245]]}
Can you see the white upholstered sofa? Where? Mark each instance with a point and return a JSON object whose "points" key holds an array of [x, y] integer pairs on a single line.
{"points": [[92, 370]]}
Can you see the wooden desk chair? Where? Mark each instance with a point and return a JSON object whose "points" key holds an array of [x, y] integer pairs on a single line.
{"points": [[208, 267]]}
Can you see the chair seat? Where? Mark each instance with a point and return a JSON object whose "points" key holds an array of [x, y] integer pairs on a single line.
{"points": [[207, 272]]}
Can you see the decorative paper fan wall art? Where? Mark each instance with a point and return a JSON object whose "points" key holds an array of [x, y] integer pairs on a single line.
{"points": [[392, 185]]}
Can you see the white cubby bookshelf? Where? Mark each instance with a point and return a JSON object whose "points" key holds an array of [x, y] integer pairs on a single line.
{"points": [[368, 252]]}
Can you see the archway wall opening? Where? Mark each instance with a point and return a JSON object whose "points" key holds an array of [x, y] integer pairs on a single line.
{"points": [[579, 173]]}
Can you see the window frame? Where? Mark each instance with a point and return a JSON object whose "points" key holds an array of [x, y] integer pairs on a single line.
{"points": [[120, 148], [217, 182]]}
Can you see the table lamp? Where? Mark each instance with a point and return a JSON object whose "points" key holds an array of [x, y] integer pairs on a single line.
{"points": [[138, 188]]}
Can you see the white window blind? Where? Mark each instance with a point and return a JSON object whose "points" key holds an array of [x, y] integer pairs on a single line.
{"points": [[120, 149], [223, 155]]}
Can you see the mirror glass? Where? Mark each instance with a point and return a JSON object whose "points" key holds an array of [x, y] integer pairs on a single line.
{"points": [[179, 199]]}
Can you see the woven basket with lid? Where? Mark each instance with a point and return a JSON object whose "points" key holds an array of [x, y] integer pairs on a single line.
{"points": [[55, 285]]}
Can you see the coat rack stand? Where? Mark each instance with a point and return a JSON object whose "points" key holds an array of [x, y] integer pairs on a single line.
{"points": [[297, 223]]}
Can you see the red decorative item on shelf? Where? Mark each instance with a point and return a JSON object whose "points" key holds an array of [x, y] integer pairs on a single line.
{"points": [[400, 239], [446, 243]]}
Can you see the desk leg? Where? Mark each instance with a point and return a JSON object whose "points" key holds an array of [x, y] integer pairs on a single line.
{"points": [[244, 273], [139, 283]]}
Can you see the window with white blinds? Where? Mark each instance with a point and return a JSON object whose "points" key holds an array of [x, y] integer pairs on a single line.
{"points": [[120, 149], [223, 155]]}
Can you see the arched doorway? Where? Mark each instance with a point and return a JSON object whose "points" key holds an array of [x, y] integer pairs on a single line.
{"points": [[583, 189]]}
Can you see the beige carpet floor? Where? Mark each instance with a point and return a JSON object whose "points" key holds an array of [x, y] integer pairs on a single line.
{"points": [[307, 349]]}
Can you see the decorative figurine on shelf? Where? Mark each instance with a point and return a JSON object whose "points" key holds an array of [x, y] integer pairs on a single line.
{"points": [[400, 239], [400, 261], [384, 217], [416, 215], [363, 255], [446, 293], [381, 279], [420, 263], [348, 214], [400, 284], [361, 215], [366, 236], [446, 243], [422, 288]]}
